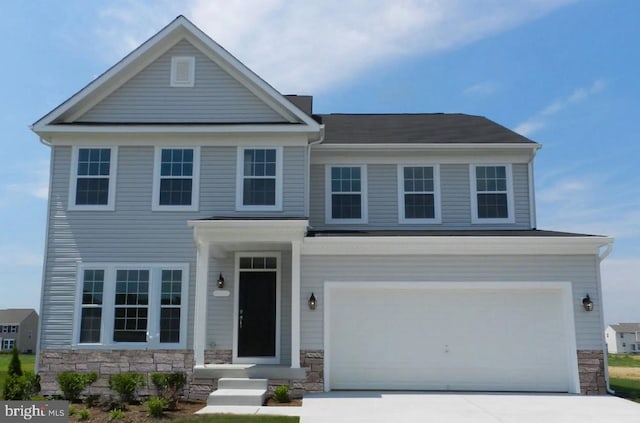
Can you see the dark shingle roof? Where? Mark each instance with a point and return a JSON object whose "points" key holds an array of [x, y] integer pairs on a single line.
{"points": [[436, 128], [626, 327], [14, 315]]}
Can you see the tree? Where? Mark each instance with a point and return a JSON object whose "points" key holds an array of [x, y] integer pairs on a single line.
{"points": [[15, 368]]}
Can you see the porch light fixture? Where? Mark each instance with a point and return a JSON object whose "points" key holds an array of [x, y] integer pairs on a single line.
{"points": [[313, 303], [587, 303], [220, 281]]}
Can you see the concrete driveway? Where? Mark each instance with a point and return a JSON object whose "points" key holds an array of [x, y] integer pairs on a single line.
{"points": [[397, 407]]}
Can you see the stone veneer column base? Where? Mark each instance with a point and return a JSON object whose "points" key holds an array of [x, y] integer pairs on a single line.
{"points": [[591, 371]]}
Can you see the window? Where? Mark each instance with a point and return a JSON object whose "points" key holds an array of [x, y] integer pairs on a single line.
{"points": [[132, 305], [624, 344], [13, 329], [633, 347], [491, 194], [93, 179], [7, 344], [5, 329], [259, 179], [176, 182], [622, 336], [183, 71], [346, 191], [419, 196], [91, 315]]}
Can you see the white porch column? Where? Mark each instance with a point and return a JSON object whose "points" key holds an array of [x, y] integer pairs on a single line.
{"points": [[295, 304], [200, 307]]}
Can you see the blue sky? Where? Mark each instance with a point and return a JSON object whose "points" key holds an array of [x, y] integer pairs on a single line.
{"points": [[562, 72]]}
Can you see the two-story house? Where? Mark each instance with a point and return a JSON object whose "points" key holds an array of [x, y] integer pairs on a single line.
{"points": [[18, 328], [201, 221], [623, 338]]}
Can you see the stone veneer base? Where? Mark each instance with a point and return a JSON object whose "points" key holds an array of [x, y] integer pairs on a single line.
{"points": [[107, 362]]}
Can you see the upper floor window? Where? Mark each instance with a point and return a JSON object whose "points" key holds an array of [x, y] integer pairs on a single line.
{"points": [[346, 194], [419, 194], [133, 305], [93, 179], [259, 179], [183, 71], [176, 183], [491, 194]]}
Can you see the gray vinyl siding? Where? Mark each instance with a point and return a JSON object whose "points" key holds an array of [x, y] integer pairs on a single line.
{"points": [[455, 197], [216, 97], [580, 270], [133, 233]]}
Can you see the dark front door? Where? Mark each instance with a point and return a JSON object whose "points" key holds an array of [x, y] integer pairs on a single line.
{"points": [[257, 314]]}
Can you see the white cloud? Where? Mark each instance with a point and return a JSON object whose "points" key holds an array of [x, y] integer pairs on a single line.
{"points": [[541, 119], [306, 47], [621, 289], [481, 89]]}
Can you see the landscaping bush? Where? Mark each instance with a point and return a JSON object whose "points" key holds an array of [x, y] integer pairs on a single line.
{"points": [[169, 386], [126, 385], [116, 414], [156, 406], [73, 383], [83, 414], [281, 394], [19, 385]]}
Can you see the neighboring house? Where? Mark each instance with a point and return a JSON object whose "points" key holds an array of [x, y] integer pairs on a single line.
{"points": [[623, 338], [200, 221], [19, 327]]}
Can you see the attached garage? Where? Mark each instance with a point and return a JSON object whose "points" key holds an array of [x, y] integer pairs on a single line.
{"points": [[515, 336]]}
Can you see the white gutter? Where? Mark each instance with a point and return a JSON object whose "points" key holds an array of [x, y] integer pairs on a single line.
{"points": [[307, 178]]}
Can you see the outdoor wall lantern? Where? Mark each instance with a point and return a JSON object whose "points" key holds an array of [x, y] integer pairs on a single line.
{"points": [[587, 303], [220, 281], [313, 303]]}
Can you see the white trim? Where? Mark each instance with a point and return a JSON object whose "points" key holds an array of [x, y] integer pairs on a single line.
{"points": [[428, 146], [532, 196], [364, 216], [295, 303], [153, 306], [474, 195], [200, 304], [278, 271], [171, 139], [240, 179], [73, 179], [565, 288], [176, 61], [452, 245], [437, 217], [195, 178]]}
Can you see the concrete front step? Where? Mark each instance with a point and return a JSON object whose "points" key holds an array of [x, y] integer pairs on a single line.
{"points": [[239, 392]]}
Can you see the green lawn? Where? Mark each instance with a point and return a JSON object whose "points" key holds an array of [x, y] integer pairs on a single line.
{"points": [[228, 418], [624, 360], [27, 361], [626, 388]]}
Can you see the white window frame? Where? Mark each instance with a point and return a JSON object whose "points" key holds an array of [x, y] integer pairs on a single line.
{"points": [[177, 61], [195, 180], [437, 215], [153, 306], [240, 179], [474, 194], [10, 342], [364, 217], [73, 179]]}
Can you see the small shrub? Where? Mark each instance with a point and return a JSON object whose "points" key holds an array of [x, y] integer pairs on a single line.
{"points": [[281, 394], [126, 385], [73, 410], [116, 414], [156, 406], [22, 387], [169, 386], [73, 383], [83, 414], [15, 368]]}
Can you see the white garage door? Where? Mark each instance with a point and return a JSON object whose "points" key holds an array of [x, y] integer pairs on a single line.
{"points": [[415, 336]]}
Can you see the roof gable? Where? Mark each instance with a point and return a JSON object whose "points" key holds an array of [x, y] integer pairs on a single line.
{"points": [[15, 315], [93, 103]]}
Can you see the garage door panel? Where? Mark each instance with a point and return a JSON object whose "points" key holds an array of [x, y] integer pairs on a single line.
{"points": [[462, 339]]}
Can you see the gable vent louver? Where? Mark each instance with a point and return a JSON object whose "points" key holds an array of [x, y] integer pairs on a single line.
{"points": [[183, 71]]}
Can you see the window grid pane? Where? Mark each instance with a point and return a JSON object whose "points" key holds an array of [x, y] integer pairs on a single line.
{"points": [[176, 177], [419, 197], [491, 187], [346, 197], [91, 318], [132, 292], [259, 173]]}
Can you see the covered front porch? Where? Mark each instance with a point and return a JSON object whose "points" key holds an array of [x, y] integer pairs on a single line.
{"points": [[246, 313]]}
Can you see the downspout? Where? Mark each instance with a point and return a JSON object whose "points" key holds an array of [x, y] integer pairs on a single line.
{"points": [[601, 258], [44, 259], [307, 179], [532, 195]]}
